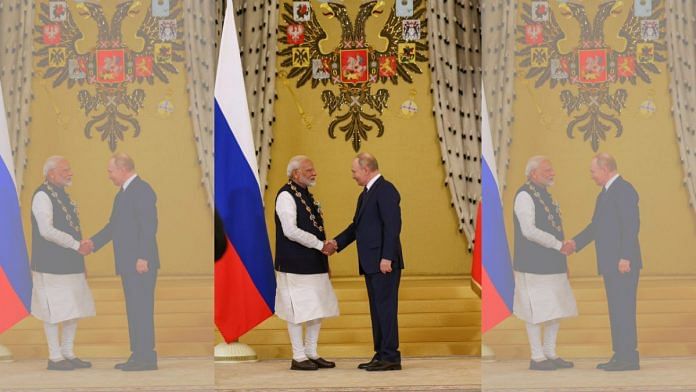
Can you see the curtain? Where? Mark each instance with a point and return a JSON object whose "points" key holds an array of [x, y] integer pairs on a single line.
{"points": [[17, 20], [455, 64], [498, 26], [257, 21], [681, 42], [200, 40]]}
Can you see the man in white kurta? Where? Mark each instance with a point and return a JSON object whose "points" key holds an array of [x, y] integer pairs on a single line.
{"points": [[304, 293], [60, 295], [543, 294]]}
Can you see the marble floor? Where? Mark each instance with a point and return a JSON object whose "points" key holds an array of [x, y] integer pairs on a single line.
{"points": [[656, 374]]}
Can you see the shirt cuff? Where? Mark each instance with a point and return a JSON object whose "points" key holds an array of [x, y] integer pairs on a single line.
{"points": [[558, 245], [319, 245], [75, 246]]}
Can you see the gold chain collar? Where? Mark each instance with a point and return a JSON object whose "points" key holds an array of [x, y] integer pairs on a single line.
{"points": [[68, 216], [311, 214], [549, 215]]}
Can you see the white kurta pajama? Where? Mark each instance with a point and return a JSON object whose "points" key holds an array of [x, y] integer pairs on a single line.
{"points": [[301, 297], [538, 297], [57, 298]]}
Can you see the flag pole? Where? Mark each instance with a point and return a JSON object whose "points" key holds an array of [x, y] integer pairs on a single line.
{"points": [[234, 352]]}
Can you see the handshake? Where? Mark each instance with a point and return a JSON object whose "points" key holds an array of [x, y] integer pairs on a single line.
{"points": [[330, 247], [86, 247], [568, 247]]}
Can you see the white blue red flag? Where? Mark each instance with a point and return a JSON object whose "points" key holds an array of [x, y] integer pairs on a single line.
{"points": [[497, 281], [244, 277], [15, 275]]}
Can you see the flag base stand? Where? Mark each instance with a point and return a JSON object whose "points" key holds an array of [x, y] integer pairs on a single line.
{"points": [[234, 352], [5, 354], [487, 353]]}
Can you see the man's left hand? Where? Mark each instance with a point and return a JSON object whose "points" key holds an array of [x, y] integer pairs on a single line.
{"points": [[624, 266], [385, 266], [141, 266]]}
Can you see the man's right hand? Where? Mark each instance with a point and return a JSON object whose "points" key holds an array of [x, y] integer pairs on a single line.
{"points": [[568, 247], [86, 247], [329, 248]]}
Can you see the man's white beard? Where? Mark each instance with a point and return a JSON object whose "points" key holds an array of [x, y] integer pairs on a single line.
{"points": [[311, 183]]}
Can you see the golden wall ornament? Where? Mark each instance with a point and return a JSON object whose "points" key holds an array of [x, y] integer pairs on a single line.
{"points": [[593, 68], [354, 66], [109, 69]]}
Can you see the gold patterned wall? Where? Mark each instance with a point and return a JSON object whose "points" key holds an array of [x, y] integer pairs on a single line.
{"points": [[408, 153], [646, 150], [164, 151]]}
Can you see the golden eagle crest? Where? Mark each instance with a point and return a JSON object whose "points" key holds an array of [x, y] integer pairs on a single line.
{"points": [[592, 66], [107, 69], [355, 65]]}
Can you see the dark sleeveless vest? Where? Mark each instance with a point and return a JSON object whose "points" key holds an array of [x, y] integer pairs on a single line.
{"points": [[529, 256], [291, 256], [47, 256]]}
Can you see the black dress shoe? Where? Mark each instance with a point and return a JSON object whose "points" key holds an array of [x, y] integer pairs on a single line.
{"points": [[323, 363], [622, 366], [79, 364], [605, 364], [137, 366], [561, 363], [120, 365], [381, 366], [365, 365], [63, 365], [545, 365], [303, 365]]}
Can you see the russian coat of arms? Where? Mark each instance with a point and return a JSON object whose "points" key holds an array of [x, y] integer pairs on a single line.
{"points": [[108, 70], [592, 68], [355, 66]]}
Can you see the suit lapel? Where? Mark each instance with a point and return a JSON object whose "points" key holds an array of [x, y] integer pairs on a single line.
{"points": [[604, 196], [366, 198]]}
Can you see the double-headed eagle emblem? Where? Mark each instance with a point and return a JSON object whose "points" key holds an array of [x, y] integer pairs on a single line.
{"points": [[592, 67], [356, 64], [106, 70]]}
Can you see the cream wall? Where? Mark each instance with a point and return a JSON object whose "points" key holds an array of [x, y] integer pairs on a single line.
{"points": [[408, 154], [647, 155], [164, 154]]}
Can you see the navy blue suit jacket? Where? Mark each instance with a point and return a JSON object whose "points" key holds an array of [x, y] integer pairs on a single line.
{"points": [[132, 227], [614, 228], [376, 227]]}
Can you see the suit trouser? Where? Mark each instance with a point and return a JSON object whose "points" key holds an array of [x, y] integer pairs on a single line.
{"points": [[383, 294], [621, 290], [139, 290]]}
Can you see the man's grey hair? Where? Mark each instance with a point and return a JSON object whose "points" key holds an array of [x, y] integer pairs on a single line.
{"points": [[533, 163], [367, 160], [606, 161], [51, 163], [124, 161], [295, 163]]}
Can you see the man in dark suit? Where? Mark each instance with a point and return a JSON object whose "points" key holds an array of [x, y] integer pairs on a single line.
{"points": [[133, 228], [614, 230], [375, 228]]}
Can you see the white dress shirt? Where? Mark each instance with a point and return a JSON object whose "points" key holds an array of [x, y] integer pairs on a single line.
{"points": [[611, 181], [128, 181], [372, 181], [42, 209], [526, 215], [287, 213]]}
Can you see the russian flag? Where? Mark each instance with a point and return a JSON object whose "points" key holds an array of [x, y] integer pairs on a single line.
{"points": [[244, 276], [15, 276], [497, 281], [476, 263]]}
